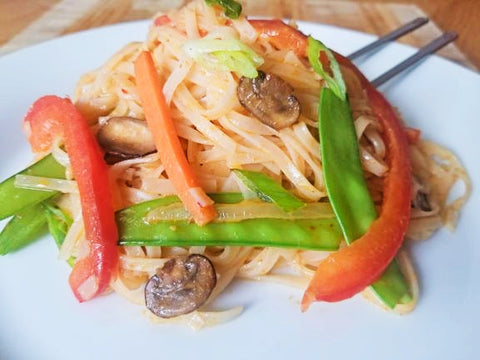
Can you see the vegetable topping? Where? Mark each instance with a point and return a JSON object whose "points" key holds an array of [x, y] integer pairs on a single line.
{"points": [[348, 271], [125, 138], [270, 99], [232, 8], [180, 286], [157, 113]]}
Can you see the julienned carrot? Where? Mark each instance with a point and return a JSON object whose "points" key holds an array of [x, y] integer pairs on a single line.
{"points": [[157, 113]]}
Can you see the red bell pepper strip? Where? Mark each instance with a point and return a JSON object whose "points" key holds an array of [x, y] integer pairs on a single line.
{"points": [[348, 271], [91, 275], [40, 127], [281, 35], [162, 20]]}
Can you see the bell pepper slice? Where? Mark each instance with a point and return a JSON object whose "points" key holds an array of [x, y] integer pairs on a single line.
{"points": [[40, 128], [350, 270], [90, 275]]}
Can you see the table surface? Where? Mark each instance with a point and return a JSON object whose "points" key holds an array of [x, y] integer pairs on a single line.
{"points": [[27, 22]]}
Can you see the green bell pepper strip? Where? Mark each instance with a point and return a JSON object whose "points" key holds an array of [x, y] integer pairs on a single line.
{"points": [[58, 224], [343, 174], [269, 190], [15, 199], [23, 229], [317, 234]]}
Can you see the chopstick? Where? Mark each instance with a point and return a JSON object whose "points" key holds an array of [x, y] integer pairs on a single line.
{"points": [[395, 34], [428, 49]]}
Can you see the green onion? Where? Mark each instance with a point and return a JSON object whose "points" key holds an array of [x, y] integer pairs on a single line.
{"points": [[231, 55], [335, 82], [245, 210], [42, 183], [269, 190], [232, 8]]}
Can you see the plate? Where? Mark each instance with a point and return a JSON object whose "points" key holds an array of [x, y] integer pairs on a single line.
{"points": [[40, 319]]}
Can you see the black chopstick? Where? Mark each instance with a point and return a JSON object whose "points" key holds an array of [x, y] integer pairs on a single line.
{"points": [[408, 27], [428, 49]]}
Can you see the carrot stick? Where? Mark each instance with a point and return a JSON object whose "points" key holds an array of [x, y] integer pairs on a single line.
{"points": [[157, 113]]}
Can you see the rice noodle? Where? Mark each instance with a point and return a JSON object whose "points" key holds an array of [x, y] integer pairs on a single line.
{"points": [[218, 135]]}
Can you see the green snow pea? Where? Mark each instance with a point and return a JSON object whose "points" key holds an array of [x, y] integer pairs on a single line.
{"points": [[15, 199], [344, 180], [318, 234], [58, 224], [22, 229]]}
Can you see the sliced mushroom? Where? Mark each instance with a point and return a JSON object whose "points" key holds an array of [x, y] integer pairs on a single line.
{"points": [[180, 286], [421, 201], [419, 198], [125, 138], [270, 99]]}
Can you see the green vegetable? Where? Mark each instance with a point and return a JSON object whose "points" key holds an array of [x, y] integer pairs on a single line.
{"points": [[269, 190], [343, 174], [15, 199], [244, 210], [24, 228], [231, 8], [231, 55], [58, 224], [342, 169], [335, 82], [318, 234], [392, 287]]}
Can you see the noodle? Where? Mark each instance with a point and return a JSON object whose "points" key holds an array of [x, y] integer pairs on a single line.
{"points": [[218, 134]]}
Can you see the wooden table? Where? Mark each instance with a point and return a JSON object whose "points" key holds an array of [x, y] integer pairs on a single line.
{"points": [[26, 22]]}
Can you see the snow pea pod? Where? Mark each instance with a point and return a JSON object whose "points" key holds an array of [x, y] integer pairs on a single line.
{"points": [[342, 169], [15, 199], [58, 224], [23, 229], [344, 180], [317, 234]]}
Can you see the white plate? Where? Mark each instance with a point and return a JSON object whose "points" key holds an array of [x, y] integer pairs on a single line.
{"points": [[40, 319]]}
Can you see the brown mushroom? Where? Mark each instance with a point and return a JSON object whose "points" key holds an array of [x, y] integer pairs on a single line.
{"points": [[421, 202], [125, 138], [270, 99], [180, 286]]}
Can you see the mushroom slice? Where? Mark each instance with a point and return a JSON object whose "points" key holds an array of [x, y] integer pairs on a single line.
{"points": [[270, 99], [125, 138], [421, 202], [180, 286]]}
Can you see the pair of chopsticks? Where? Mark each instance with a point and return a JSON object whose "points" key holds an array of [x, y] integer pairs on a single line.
{"points": [[428, 49]]}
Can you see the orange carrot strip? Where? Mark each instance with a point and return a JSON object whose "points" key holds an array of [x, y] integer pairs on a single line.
{"points": [[157, 113]]}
